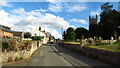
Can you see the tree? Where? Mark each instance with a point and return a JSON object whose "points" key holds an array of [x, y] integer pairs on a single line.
{"points": [[27, 35], [80, 32], [72, 36], [64, 35], [108, 22], [69, 34], [106, 7], [69, 30]]}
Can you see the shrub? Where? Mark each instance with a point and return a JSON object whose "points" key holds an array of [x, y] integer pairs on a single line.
{"points": [[36, 38], [6, 45], [20, 58]]}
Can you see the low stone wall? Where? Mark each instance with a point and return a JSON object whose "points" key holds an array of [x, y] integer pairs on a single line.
{"points": [[13, 56], [102, 55]]}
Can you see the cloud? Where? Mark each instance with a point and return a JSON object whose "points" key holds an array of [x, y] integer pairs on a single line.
{"points": [[21, 11], [54, 21], [79, 21], [37, 18], [53, 32], [68, 7], [4, 4], [41, 10], [75, 8], [94, 13], [21, 20], [98, 11], [56, 7], [52, 1], [8, 19]]}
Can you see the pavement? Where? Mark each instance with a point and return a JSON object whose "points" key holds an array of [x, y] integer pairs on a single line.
{"points": [[52, 55]]}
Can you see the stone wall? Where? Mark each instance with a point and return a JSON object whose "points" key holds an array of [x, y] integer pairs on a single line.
{"points": [[12, 55], [102, 55]]}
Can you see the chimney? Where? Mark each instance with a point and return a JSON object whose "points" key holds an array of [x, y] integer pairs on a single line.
{"points": [[39, 28], [44, 31]]}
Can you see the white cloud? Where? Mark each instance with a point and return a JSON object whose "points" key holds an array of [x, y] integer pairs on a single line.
{"points": [[53, 32], [20, 20], [79, 21], [22, 12], [41, 10], [4, 4], [75, 8], [60, 6], [37, 18], [52, 1], [94, 13], [8, 19], [56, 7], [98, 11], [54, 21], [19, 11]]}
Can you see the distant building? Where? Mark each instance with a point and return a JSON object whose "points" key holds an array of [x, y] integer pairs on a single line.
{"points": [[5, 31], [18, 34], [93, 22], [38, 32]]}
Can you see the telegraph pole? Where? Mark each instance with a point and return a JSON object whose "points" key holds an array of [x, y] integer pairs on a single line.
{"points": [[62, 32]]}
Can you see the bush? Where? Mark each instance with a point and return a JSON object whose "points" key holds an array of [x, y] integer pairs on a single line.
{"points": [[14, 44], [20, 58], [6, 45], [36, 38]]}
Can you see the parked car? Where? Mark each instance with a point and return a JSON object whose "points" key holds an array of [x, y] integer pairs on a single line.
{"points": [[51, 42]]}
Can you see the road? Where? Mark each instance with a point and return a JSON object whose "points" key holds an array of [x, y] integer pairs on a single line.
{"points": [[55, 55]]}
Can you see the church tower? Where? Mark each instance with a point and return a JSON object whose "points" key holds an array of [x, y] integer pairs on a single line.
{"points": [[93, 22]]}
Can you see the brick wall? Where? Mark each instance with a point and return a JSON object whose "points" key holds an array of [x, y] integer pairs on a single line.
{"points": [[1, 33], [7, 34]]}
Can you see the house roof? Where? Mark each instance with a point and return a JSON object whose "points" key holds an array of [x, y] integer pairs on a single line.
{"points": [[5, 28], [17, 33]]}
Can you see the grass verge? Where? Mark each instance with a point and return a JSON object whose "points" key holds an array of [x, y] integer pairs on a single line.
{"points": [[115, 47]]}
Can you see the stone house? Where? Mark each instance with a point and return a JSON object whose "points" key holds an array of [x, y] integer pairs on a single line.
{"points": [[39, 32]]}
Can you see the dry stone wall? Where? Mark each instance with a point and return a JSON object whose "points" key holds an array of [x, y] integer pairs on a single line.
{"points": [[13, 55], [102, 55]]}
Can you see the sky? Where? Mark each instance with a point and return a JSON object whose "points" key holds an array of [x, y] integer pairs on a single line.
{"points": [[51, 16]]}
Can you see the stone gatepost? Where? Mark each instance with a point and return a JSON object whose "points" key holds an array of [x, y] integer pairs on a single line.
{"points": [[119, 38]]}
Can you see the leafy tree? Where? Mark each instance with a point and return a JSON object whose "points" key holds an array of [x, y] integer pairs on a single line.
{"points": [[80, 32], [106, 7], [64, 35], [69, 34], [108, 22], [69, 30], [27, 35], [72, 36]]}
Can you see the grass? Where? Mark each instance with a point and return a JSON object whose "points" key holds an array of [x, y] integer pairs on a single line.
{"points": [[71, 42], [111, 47]]}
